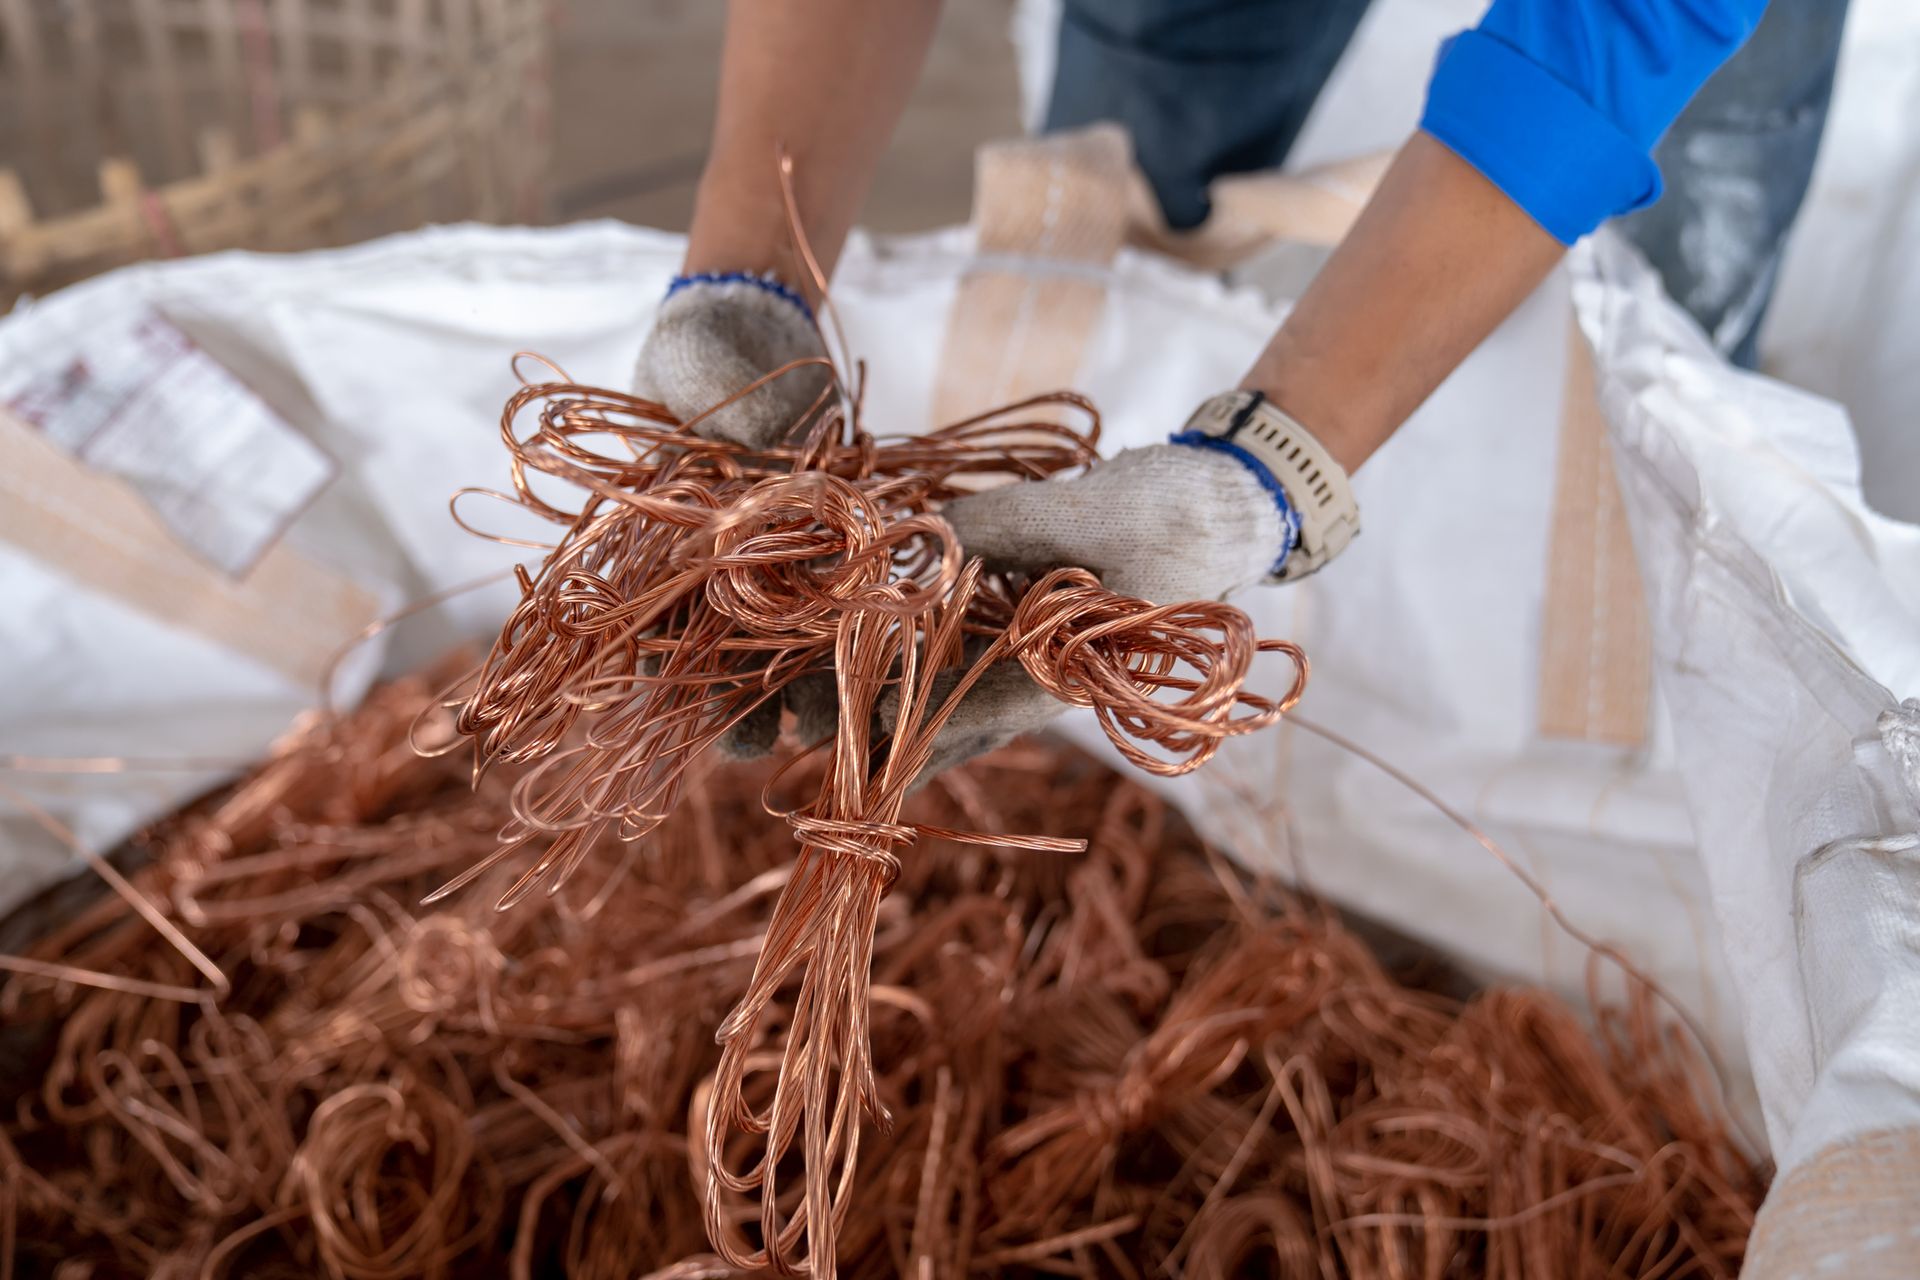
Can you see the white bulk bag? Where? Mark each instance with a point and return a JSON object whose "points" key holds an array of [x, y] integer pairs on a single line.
{"points": [[1786, 624], [1426, 638]]}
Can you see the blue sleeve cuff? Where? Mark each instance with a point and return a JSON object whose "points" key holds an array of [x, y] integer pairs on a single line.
{"points": [[1539, 141]]}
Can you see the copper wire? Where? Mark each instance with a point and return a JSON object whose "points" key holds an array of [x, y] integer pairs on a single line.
{"points": [[690, 583], [1134, 1061]]}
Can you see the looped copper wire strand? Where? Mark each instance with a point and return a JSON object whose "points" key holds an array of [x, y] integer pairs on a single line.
{"points": [[367, 1219], [1091, 648]]}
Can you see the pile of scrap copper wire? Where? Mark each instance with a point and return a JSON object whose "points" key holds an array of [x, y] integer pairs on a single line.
{"points": [[1129, 1062], [798, 1017]]}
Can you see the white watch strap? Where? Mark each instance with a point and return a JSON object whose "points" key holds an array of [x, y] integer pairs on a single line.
{"points": [[1316, 487]]}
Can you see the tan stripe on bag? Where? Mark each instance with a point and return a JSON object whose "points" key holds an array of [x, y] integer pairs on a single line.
{"points": [[1049, 214], [1596, 657], [289, 613]]}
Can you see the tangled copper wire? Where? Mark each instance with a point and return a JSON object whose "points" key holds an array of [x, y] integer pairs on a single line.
{"points": [[1132, 1062], [692, 583], [695, 580]]}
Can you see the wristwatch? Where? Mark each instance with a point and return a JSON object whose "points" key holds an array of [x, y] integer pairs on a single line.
{"points": [[1315, 498]]}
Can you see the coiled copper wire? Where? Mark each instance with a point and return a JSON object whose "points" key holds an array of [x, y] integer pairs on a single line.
{"points": [[1129, 1062], [692, 583]]}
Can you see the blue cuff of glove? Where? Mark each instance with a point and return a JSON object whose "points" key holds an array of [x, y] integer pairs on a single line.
{"points": [[765, 283], [1289, 520], [1534, 137]]}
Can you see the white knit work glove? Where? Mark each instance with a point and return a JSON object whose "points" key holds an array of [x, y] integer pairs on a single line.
{"points": [[1168, 523], [715, 334]]}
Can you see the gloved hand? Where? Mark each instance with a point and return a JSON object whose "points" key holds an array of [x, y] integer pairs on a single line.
{"points": [[714, 334], [1166, 523], [717, 333]]}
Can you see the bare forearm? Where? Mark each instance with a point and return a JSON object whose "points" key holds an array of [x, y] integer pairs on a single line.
{"points": [[1437, 260], [827, 80]]}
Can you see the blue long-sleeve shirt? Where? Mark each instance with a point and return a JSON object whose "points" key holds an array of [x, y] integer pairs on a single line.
{"points": [[1560, 102]]}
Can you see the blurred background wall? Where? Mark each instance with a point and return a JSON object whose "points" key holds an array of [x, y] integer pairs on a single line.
{"points": [[633, 104]]}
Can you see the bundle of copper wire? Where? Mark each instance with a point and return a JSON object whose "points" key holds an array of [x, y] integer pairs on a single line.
{"points": [[695, 581], [1135, 1061]]}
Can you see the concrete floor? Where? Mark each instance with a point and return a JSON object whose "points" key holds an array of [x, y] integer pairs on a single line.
{"points": [[633, 105]]}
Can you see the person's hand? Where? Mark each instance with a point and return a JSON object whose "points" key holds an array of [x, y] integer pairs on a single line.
{"points": [[1167, 523], [717, 333]]}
